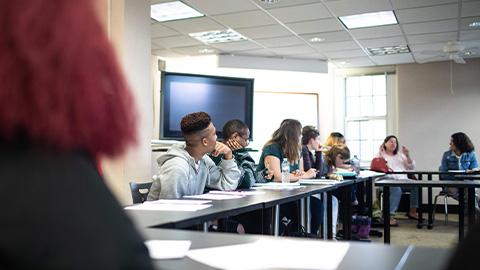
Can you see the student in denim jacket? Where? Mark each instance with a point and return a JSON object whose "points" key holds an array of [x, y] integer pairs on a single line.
{"points": [[461, 156]]}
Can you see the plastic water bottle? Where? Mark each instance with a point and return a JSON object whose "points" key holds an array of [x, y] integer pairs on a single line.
{"points": [[285, 171], [356, 164]]}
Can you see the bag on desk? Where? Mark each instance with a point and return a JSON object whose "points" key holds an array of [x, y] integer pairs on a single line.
{"points": [[361, 226], [379, 164]]}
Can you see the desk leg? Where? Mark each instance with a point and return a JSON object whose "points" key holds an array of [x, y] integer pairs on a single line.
{"points": [[430, 209], [276, 220], [361, 195], [329, 216], [309, 215], [471, 207], [419, 209], [386, 215], [461, 214], [369, 196], [205, 226], [347, 213], [302, 212]]}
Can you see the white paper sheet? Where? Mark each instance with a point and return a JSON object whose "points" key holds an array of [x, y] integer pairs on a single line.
{"points": [[162, 201], [370, 174], [246, 192], [167, 249], [277, 186], [273, 254], [318, 182], [211, 196], [168, 207]]}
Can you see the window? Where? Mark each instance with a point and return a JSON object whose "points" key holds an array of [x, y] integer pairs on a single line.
{"points": [[365, 114]]}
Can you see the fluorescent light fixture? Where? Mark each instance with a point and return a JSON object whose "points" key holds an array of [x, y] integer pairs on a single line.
{"points": [[475, 24], [369, 19], [388, 50], [269, 1], [217, 36], [316, 39], [172, 11], [205, 51]]}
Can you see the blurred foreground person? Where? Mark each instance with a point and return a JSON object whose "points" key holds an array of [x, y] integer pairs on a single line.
{"points": [[63, 104]]}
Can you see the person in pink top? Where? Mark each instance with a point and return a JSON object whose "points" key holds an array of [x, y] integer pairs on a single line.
{"points": [[399, 161]]}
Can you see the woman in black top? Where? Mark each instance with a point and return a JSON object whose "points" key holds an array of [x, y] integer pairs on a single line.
{"points": [[63, 104]]}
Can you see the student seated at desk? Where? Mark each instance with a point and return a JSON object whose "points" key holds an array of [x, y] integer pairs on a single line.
{"points": [[186, 169], [64, 103], [310, 143], [461, 156], [333, 139], [285, 143], [399, 161]]}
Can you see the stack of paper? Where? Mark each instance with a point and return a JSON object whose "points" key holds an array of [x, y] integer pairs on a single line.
{"points": [[277, 186], [214, 196], [318, 182], [171, 205]]}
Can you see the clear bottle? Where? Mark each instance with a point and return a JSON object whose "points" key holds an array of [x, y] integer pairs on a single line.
{"points": [[356, 164], [285, 171]]}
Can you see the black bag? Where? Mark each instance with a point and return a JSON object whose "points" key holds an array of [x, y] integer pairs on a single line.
{"points": [[289, 228]]}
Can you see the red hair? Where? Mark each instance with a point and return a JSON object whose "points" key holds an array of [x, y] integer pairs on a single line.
{"points": [[60, 84]]}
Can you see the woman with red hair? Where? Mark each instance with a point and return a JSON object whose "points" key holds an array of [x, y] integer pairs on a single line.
{"points": [[63, 103]]}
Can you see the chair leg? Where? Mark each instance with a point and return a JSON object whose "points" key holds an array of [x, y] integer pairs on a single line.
{"points": [[446, 208]]}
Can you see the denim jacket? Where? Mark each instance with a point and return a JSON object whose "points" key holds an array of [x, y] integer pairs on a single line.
{"points": [[467, 161]]}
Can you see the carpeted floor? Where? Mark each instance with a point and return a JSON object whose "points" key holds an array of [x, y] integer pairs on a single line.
{"points": [[441, 236]]}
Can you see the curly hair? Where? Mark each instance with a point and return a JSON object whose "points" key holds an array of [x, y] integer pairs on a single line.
{"points": [[195, 122], [309, 132], [61, 86], [462, 142], [337, 149], [233, 126], [287, 136]]}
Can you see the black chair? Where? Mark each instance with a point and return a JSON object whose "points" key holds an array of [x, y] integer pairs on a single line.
{"points": [[139, 191]]}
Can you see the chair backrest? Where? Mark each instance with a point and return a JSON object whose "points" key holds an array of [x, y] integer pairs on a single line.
{"points": [[139, 191]]}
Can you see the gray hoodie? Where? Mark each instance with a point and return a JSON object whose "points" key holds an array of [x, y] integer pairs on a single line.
{"points": [[178, 175]]}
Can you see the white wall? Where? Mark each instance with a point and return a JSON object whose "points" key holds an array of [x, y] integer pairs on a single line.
{"points": [[428, 113]]}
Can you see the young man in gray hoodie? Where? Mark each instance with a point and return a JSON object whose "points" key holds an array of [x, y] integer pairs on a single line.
{"points": [[186, 169]]}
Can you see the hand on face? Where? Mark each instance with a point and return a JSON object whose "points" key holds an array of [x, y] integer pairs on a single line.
{"points": [[234, 145], [221, 148], [405, 151]]}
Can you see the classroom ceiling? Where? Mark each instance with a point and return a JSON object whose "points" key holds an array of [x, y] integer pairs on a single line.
{"points": [[284, 30]]}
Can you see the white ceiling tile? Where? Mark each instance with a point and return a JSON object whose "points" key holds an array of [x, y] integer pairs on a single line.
{"points": [[419, 57], [345, 54], [236, 46], [316, 56], [285, 3], [166, 53], [393, 59], [325, 25], [470, 9], [427, 13], [176, 41], [245, 19], [381, 42], [465, 22], [156, 47], [377, 32], [292, 50], [430, 27], [428, 47], [194, 25], [280, 41], [470, 35], [158, 30], [350, 7], [261, 52], [432, 38], [336, 46], [329, 36], [264, 31], [194, 50], [215, 7], [352, 62], [399, 4], [471, 43], [301, 13]]}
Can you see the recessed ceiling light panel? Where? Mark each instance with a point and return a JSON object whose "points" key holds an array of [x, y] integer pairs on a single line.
{"points": [[218, 36], [172, 11], [388, 50], [369, 19], [316, 39], [475, 24]]}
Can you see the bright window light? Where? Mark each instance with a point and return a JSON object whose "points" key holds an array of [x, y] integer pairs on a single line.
{"points": [[172, 11], [369, 19], [217, 36]]}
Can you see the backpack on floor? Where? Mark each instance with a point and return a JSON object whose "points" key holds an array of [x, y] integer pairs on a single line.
{"points": [[361, 226]]}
